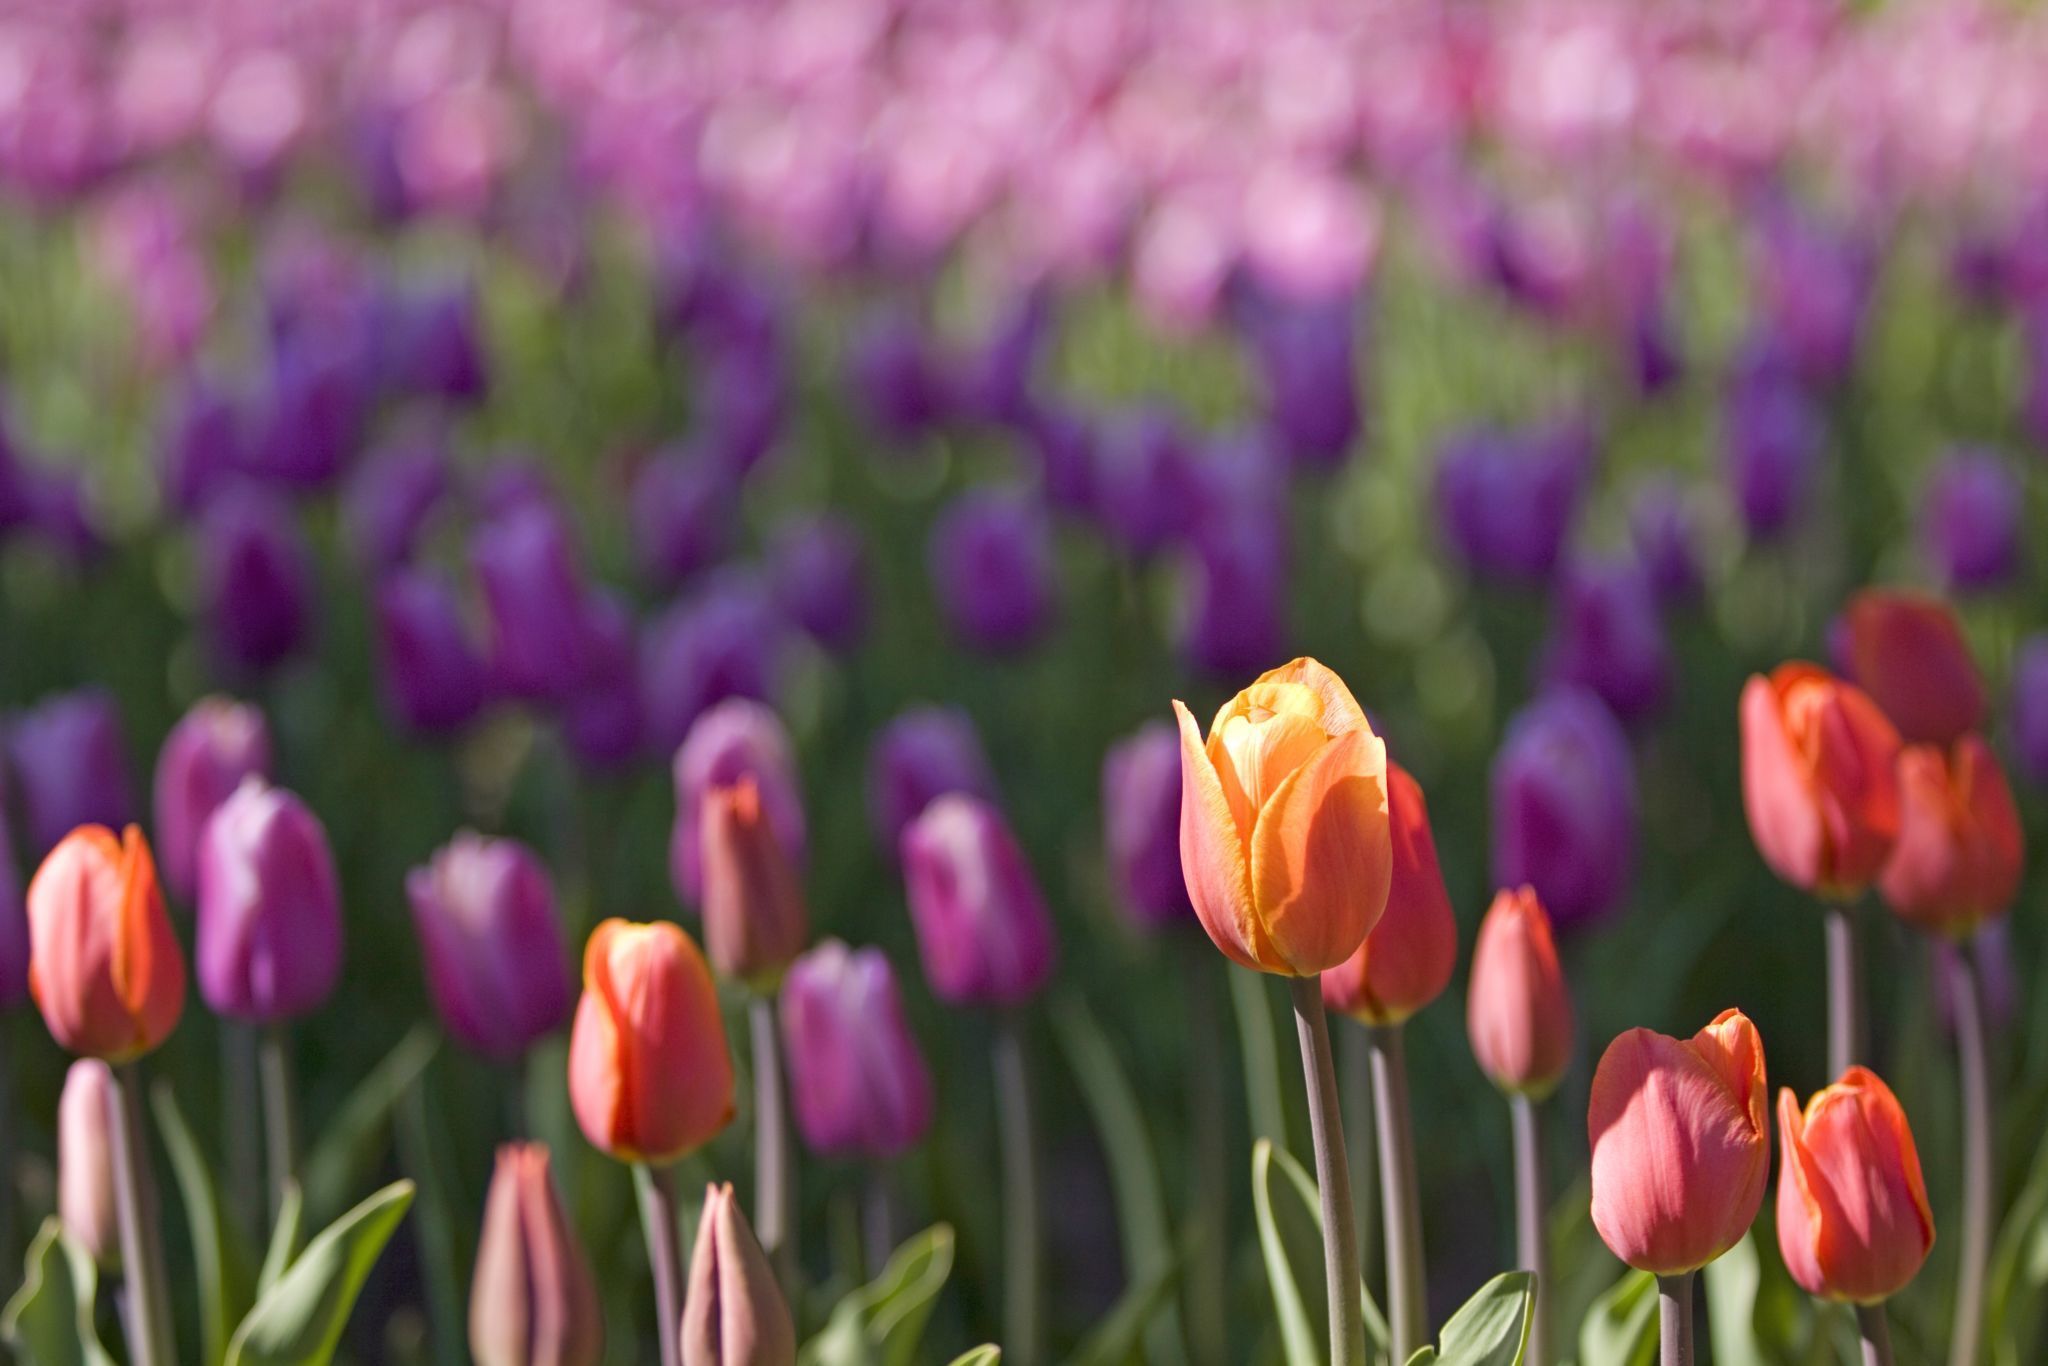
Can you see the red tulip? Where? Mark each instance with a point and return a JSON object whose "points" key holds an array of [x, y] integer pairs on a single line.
{"points": [[1960, 850], [1518, 1009], [754, 918], [1906, 650], [1853, 1218], [104, 967], [1406, 961], [1817, 779]]}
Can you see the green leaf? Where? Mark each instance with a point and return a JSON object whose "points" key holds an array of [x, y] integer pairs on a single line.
{"points": [[299, 1320], [1732, 1280], [1118, 1337], [2019, 1269], [284, 1237], [1289, 1213], [49, 1322], [1621, 1327], [352, 1143], [988, 1354], [880, 1323], [218, 1255], [1491, 1328]]}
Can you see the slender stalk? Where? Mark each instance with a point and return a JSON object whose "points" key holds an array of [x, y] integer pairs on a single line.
{"points": [[1876, 1334], [1205, 1298], [1530, 1249], [1845, 991], [878, 1219], [1674, 1319], [774, 1172], [142, 1250], [1399, 1197], [1354, 1078], [241, 1125], [8, 1251], [280, 1125], [414, 1133], [1976, 1087], [1020, 1196], [664, 1256], [1261, 1056], [1333, 1174]]}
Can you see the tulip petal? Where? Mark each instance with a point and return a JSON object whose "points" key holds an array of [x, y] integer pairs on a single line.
{"points": [[1340, 712], [1777, 795], [1854, 776], [1798, 1213], [1735, 1051], [1212, 855], [1863, 1178], [1321, 860]]}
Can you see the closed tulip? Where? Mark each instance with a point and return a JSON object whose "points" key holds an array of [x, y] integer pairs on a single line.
{"points": [[532, 1301], [525, 558], [856, 1077], [924, 753], [496, 964], [1518, 1007], [1971, 529], [85, 1161], [1141, 826], [1960, 850], [737, 738], [754, 917], [993, 569], [104, 968], [1681, 1143], [206, 756], [269, 942], [430, 674], [650, 1076], [257, 578], [982, 927], [1818, 780], [1406, 961], [1564, 806], [2030, 707], [1853, 1218], [1283, 835], [1907, 651], [817, 572], [733, 1312], [71, 764]]}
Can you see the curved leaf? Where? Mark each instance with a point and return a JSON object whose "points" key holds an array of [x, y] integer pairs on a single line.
{"points": [[1621, 1327], [880, 1323], [352, 1143], [1732, 1280], [49, 1321], [299, 1320], [284, 1237], [218, 1255], [1491, 1328], [1289, 1212], [988, 1354]]}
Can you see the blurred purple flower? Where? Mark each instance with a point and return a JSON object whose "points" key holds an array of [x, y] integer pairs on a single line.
{"points": [[899, 378], [201, 444], [525, 558], [817, 571], [724, 640], [604, 719], [1564, 806], [740, 396], [1306, 355], [1775, 437], [208, 753], [685, 513], [1990, 949], [312, 411], [491, 937], [437, 351], [1141, 826], [1664, 532], [924, 753], [992, 566], [1506, 500], [512, 480], [71, 765], [2030, 706], [858, 1082], [1813, 283], [1606, 636], [431, 676], [1970, 519], [392, 496], [257, 582], [1233, 610], [268, 946], [1063, 444], [1000, 379], [983, 932], [734, 739], [1147, 489]]}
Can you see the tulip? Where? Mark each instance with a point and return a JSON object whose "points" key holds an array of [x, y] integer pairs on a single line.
{"points": [[1141, 826], [201, 445], [431, 676], [1234, 613], [2030, 706], [269, 942], [437, 351], [1774, 440], [684, 512], [1506, 500], [725, 640], [533, 1301], [1063, 446], [104, 968], [1564, 806], [735, 739], [491, 936], [204, 759], [392, 498], [1606, 635], [318, 397], [1407, 958], [1518, 1007], [1307, 361], [1145, 483], [650, 1077], [1813, 282], [992, 566], [858, 1080], [924, 753], [1853, 1218], [257, 580], [1907, 651], [525, 559], [818, 576], [604, 720], [71, 764], [982, 927], [1970, 520], [1284, 839], [87, 1111], [1664, 533], [1817, 779], [733, 1313], [1960, 850], [901, 381], [754, 917]]}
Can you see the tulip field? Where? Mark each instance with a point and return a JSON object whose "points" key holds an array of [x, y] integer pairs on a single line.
{"points": [[875, 682]]}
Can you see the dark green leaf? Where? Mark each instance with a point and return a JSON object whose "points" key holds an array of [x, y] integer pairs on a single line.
{"points": [[299, 1320], [1492, 1327], [218, 1255], [881, 1323], [352, 1143], [1621, 1327], [284, 1238], [49, 1322]]}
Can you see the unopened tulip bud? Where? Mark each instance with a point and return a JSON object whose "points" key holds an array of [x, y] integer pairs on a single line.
{"points": [[856, 1078], [733, 1312], [1681, 1144], [982, 927], [1961, 848], [204, 759], [533, 587], [1906, 650], [85, 1161], [993, 569], [1818, 779], [533, 1301], [650, 1076], [754, 917], [817, 572], [1970, 520], [104, 968], [923, 754], [1141, 826], [71, 764], [1564, 806], [1406, 960], [737, 738], [257, 578], [269, 943], [1283, 835], [1518, 1007], [496, 964], [431, 676], [1853, 1218]]}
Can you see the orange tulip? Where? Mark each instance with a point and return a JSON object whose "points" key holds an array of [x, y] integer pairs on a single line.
{"points": [[754, 919], [1817, 779], [1406, 961], [104, 967], [1681, 1144], [1283, 824], [1957, 861], [1906, 650], [650, 1077], [1518, 1010], [1853, 1218]]}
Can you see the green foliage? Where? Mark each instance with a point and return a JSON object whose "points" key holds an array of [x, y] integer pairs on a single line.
{"points": [[1621, 1328], [1490, 1329], [299, 1319], [1289, 1213], [353, 1142], [219, 1259], [49, 1322], [882, 1322], [988, 1354], [284, 1238]]}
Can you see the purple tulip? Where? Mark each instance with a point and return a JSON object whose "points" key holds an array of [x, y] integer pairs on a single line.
{"points": [[432, 677], [206, 756], [982, 928], [1147, 488], [737, 738], [604, 720], [512, 481], [685, 513], [1606, 636], [1665, 535], [724, 640], [740, 399], [1506, 500], [202, 444], [72, 766], [269, 941], [391, 499], [1564, 806], [2030, 706], [1775, 438], [13, 917], [1306, 355], [1813, 282], [857, 1080], [992, 567], [257, 579], [1970, 519], [312, 413], [525, 558], [496, 963], [1991, 951], [438, 352], [1000, 380], [924, 753], [817, 573], [1141, 826], [899, 379], [1063, 444]]}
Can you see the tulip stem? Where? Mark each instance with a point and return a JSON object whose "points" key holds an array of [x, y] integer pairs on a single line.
{"points": [[1674, 1319], [240, 1124], [1333, 1174], [1261, 1056], [1205, 1299], [280, 1126], [1400, 1200], [135, 1207], [664, 1256], [1530, 1249], [878, 1219], [1354, 1079], [1020, 1196], [774, 1173], [1976, 1085], [1845, 991], [1876, 1334]]}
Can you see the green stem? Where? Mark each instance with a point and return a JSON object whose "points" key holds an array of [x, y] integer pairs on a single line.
{"points": [[1261, 1056], [1976, 1087], [280, 1125], [1674, 1319], [241, 1125], [1020, 1196], [1333, 1175], [664, 1256], [878, 1219], [142, 1252], [774, 1171], [1845, 991], [1205, 1300], [1354, 1078], [1530, 1243], [1875, 1333], [415, 1135], [1400, 1196]]}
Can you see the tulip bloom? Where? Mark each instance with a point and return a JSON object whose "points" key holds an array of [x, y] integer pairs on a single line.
{"points": [[1406, 961], [1907, 651], [1853, 1218], [733, 1312], [204, 759], [1564, 806], [650, 1077], [431, 677], [71, 766], [982, 927], [1818, 780], [532, 1301], [1141, 826], [104, 967], [269, 943], [85, 1160], [492, 939], [1283, 835], [1518, 1008], [1681, 1143], [754, 917], [1960, 851], [737, 738], [857, 1079], [923, 754]]}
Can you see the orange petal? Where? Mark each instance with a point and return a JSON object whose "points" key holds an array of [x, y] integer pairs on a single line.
{"points": [[1321, 860], [1777, 793], [1212, 856], [1340, 712]]}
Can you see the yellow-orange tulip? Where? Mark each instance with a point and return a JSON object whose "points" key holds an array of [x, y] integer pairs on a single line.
{"points": [[1283, 824], [104, 967]]}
